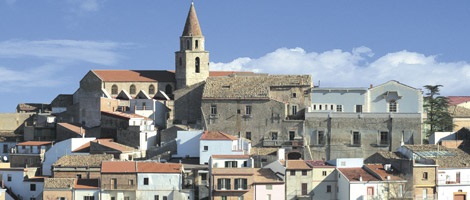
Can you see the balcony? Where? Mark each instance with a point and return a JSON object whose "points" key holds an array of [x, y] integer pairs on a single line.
{"points": [[279, 143], [243, 188]]}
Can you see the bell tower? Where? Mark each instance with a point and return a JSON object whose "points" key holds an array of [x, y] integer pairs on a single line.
{"points": [[192, 60]]}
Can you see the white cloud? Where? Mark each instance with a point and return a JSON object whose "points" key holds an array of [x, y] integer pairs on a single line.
{"points": [[86, 5], [359, 68], [66, 50]]}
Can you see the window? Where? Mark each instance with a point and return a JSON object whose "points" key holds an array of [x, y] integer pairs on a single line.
{"points": [[339, 108], [328, 188], [151, 89], [356, 138], [269, 187], [126, 198], [168, 89], [62, 198], [113, 198], [206, 148], [241, 184], [132, 89], [323, 173], [213, 109], [32, 187], [291, 135], [224, 197], [188, 44], [321, 137], [165, 198], [131, 182], [304, 172], [146, 137], [79, 176], [180, 61], [32, 198], [114, 89], [268, 197], [294, 95], [88, 198], [358, 108], [294, 110], [292, 172], [392, 106], [425, 175], [274, 135], [156, 197], [223, 184], [9, 177], [146, 181], [5, 148], [248, 110], [240, 197], [248, 135], [197, 65], [383, 137], [114, 183], [197, 44], [304, 188], [231, 164]]}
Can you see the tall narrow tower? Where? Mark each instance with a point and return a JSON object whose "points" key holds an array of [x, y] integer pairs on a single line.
{"points": [[191, 61]]}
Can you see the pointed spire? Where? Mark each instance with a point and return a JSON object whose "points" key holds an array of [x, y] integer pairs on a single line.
{"points": [[192, 28]]}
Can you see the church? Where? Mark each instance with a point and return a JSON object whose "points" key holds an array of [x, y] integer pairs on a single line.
{"points": [[259, 107]]}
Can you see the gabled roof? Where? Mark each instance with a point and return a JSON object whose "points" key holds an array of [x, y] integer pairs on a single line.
{"points": [[135, 75], [265, 176], [318, 164], [191, 27], [380, 172], [59, 183], [35, 143], [86, 147], [73, 128], [113, 145], [250, 87], [123, 115], [455, 100], [216, 135], [82, 160], [156, 167], [297, 164], [118, 167], [354, 174]]}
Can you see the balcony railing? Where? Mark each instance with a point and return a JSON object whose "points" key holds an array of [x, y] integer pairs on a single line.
{"points": [[229, 189], [453, 182]]}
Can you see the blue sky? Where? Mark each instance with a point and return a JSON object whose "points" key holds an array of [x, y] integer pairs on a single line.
{"points": [[47, 46]]}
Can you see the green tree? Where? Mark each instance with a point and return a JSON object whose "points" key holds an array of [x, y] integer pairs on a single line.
{"points": [[438, 116]]}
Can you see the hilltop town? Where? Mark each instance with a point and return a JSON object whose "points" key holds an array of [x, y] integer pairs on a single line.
{"points": [[191, 133]]}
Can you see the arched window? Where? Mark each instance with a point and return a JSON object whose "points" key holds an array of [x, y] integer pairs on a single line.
{"points": [[132, 89], [151, 89], [197, 65], [181, 61], [168, 89], [114, 89], [392, 106], [188, 44]]}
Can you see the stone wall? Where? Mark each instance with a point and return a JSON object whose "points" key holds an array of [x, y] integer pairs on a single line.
{"points": [[14, 122], [338, 131], [188, 104]]}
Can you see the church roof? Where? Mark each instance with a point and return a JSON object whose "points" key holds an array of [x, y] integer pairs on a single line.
{"points": [[135, 75], [192, 28], [250, 87]]}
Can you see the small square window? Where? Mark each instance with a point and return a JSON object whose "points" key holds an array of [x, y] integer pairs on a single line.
{"points": [[359, 108], [9, 178], [146, 181], [206, 148], [292, 172], [304, 172], [323, 173], [269, 187], [248, 135], [328, 188], [32, 187], [294, 95], [339, 108]]}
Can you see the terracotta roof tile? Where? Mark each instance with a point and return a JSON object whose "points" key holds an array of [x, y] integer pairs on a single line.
{"points": [[191, 27], [118, 167], [379, 170], [73, 128], [233, 171], [156, 167], [135, 75], [318, 164], [34, 143], [353, 174], [455, 100], [297, 164], [124, 115], [216, 135], [265, 176], [59, 183], [250, 87], [82, 160], [114, 145]]}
